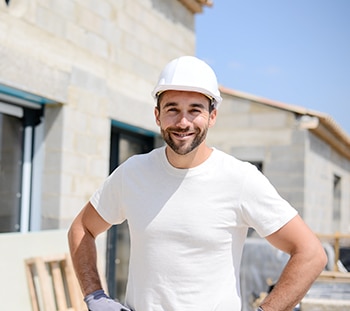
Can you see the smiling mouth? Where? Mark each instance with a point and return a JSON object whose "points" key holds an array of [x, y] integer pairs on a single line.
{"points": [[182, 135]]}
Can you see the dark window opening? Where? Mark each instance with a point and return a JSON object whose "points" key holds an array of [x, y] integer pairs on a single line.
{"points": [[336, 202], [124, 144], [17, 136], [258, 164], [11, 138]]}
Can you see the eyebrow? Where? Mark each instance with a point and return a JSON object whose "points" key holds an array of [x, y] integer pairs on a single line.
{"points": [[193, 105]]}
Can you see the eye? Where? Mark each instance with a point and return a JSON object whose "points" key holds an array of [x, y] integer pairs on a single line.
{"points": [[196, 110], [171, 110]]}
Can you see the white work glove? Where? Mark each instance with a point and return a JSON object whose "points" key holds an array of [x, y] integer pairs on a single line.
{"points": [[99, 301]]}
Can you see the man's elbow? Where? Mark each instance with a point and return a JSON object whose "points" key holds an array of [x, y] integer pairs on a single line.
{"points": [[72, 235], [319, 258], [76, 233]]}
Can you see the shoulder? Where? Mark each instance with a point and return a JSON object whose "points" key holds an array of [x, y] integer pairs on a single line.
{"points": [[142, 163], [230, 162]]}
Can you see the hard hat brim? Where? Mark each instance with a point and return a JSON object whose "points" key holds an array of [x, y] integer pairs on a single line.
{"points": [[162, 88]]}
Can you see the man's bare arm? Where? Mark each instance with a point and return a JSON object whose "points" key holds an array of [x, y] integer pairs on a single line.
{"points": [[81, 236], [307, 260]]}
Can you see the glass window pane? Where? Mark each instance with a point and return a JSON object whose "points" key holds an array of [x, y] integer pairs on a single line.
{"points": [[128, 146], [10, 172]]}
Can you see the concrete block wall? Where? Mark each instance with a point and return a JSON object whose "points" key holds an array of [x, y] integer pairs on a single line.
{"points": [[242, 122], [99, 61], [285, 168], [300, 165], [321, 164], [254, 132]]}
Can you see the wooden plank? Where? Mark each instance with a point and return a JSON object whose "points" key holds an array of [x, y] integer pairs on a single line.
{"points": [[53, 285], [334, 276], [30, 280], [336, 238], [45, 285], [74, 290], [192, 5], [58, 285]]}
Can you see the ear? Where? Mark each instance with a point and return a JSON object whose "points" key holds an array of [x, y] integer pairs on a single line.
{"points": [[156, 115], [212, 117]]}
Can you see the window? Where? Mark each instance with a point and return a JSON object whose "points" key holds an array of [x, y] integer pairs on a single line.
{"points": [[336, 202], [11, 136], [21, 138], [19, 132], [126, 141], [258, 165]]}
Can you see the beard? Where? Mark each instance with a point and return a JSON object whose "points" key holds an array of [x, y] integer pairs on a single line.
{"points": [[184, 147]]}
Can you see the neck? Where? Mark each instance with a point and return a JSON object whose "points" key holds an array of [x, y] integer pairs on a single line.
{"points": [[189, 160]]}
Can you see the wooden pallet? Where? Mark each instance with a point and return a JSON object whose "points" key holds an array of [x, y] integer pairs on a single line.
{"points": [[336, 240], [53, 285], [334, 276]]}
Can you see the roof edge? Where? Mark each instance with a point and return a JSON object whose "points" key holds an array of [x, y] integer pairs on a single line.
{"points": [[327, 128], [196, 6]]}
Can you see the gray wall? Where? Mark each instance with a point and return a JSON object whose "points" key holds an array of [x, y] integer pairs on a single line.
{"points": [[321, 164], [299, 164]]}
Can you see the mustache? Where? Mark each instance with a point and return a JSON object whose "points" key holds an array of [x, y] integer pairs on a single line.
{"points": [[179, 130]]}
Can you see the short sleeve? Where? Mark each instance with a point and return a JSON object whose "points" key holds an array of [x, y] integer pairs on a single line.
{"points": [[262, 207], [107, 199]]}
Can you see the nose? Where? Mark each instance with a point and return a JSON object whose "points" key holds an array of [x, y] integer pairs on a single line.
{"points": [[183, 120]]}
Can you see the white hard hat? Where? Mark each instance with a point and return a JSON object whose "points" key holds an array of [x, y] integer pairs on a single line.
{"points": [[188, 73]]}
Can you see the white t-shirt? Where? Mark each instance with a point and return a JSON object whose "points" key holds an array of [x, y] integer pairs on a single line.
{"points": [[187, 227]]}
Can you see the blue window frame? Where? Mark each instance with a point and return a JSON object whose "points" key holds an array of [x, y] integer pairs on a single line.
{"points": [[21, 157]]}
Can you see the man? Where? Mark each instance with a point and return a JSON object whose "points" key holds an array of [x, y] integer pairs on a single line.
{"points": [[189, 207]]}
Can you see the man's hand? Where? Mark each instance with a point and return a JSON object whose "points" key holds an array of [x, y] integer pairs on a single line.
{"points": [[99, 301]]}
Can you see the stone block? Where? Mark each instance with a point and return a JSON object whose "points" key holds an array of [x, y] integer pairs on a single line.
{"points": [[74, 163], [67, 10], [86, 80], [76, 34], [88, 20], [49, 21], [97, 45]]}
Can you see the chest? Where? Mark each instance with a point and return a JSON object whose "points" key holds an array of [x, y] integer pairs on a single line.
{"points": [[183, 210]]}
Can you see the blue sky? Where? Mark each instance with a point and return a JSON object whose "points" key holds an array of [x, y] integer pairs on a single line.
{"points": [[293, 51]]}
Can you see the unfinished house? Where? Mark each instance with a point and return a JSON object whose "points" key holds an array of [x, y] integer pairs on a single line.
{"points": [[306, 156], [304, 153], [75, 84]]}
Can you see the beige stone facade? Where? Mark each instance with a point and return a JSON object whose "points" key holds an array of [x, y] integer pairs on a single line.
{"points": [[98, 62], [73, 69]]}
